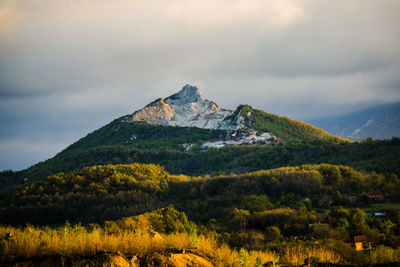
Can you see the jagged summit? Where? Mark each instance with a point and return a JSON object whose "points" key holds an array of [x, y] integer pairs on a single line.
{"points": [[188, 108], [185, 108], [188, 94]]}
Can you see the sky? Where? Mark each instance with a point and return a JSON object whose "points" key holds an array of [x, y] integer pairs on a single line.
{"points": [[68, 67]]}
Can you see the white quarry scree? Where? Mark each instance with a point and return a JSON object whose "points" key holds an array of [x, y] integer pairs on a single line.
{"points": [[187, 108]]}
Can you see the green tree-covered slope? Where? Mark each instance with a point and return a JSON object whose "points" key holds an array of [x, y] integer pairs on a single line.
{"points": [[379, 156], [99, 193], [285, 128], [143, 136]]}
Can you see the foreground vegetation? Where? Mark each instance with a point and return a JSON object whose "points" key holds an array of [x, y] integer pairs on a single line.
{"points": [[287, 215], [132, 236], [152, 236]]}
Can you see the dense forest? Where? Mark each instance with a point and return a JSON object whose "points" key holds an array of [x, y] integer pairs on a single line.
{"points": [[370, 155], [318, 208], [94, 194]]}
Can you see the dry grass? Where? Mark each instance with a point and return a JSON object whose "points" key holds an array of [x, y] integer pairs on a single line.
{"points": [[222, 255], [296, 255], [77, 241], [380, 255]]}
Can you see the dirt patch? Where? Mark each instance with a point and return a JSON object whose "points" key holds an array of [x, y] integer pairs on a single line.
{"points": [[189, 260], [106, 260], [102, 259]]}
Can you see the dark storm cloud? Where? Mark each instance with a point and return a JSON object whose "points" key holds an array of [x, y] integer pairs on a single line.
{"points": [[68, 67]]}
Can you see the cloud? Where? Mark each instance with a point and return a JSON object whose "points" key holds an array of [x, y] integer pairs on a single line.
{"points": [[310, 96], [8, 19], [69, 66], [78, 45]]}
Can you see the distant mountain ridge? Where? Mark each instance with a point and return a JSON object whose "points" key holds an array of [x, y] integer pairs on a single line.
{"points": [[380, 122]]}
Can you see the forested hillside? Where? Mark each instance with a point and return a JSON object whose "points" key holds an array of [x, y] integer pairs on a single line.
{"points": [[287, 129], [379, 156], [99, 193], [144, 136], [290, 215]]}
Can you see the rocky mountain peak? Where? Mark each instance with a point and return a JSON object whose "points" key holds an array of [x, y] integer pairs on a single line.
{"points": [[188, 94], [185, 108]]}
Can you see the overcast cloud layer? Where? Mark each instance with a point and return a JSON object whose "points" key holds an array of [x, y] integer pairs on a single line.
{"points": [[68, 67]]}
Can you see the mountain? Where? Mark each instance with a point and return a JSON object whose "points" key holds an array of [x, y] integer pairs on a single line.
{"points": [[186, 118], [380, 122], [172, 131]]}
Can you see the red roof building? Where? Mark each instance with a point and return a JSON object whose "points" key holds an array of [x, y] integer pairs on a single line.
{"points": [[375, 195]]}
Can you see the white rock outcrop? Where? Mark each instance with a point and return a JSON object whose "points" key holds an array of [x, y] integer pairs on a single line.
{"points": [[185, 108]]}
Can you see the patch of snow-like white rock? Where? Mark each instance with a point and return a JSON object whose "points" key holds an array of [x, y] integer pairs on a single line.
{"points": [[248, 139], [188, 108], [366, 124], [185, 108]]}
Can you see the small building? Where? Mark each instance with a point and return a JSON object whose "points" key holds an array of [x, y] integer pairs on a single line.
{"points": [[375, 195], [275, 140], [360, 242], [376, 214]]}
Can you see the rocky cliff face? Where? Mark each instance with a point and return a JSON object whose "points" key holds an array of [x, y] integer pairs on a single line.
{"points": [[154, 112], [185, 108]]}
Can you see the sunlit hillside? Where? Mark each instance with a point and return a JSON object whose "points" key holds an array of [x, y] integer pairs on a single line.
{"points": [[144, 215]]}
